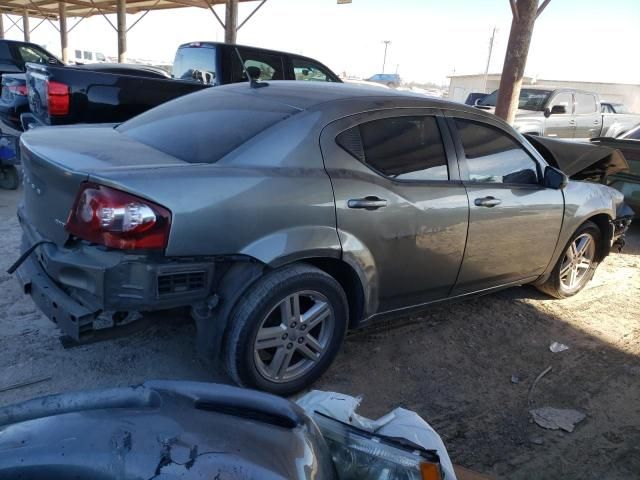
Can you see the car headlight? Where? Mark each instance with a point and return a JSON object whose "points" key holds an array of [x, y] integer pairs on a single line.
{"points": [[360, 455]]}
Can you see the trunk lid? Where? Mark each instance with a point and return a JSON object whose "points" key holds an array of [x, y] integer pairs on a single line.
{"points": [[56, 160]]}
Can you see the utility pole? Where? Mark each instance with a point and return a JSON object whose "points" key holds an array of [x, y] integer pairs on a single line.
{"points": [[525, 13], [384, 60], [486, 70], [231, 21]]}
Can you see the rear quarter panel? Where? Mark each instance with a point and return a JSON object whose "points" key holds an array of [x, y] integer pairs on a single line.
{"points": [[271, 199]]}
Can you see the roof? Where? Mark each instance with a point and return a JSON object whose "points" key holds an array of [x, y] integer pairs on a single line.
{"points": [[306, 95], [87, 8]]}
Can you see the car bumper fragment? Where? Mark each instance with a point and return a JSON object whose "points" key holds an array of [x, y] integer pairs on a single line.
{"points": [[73, 286]]}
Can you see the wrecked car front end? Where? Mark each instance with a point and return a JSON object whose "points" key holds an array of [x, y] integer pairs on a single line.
{"points": [[592, 163]]}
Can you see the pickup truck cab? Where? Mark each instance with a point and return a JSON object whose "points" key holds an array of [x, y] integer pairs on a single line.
{"points": [[564, 113], [66, 95]]}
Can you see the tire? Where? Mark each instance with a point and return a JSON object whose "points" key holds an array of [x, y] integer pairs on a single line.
{"points": [[559, 284], [286, 357], [9, 178]]}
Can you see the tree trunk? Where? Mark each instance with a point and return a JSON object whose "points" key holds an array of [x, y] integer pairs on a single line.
{"points": [[516, 58]]}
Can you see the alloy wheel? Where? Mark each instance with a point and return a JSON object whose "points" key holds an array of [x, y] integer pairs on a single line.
{"points": [[577, 261], [293, 336]]}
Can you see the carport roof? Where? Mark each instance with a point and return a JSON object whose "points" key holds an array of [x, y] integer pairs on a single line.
{"points": [[86, 8]]}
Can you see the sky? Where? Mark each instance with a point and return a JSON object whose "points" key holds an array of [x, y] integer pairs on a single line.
{"points": [[587, 40]]}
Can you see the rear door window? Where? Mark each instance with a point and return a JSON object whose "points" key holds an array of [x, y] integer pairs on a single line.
{"points": [[492, 156], [400, 148], [306, 70], [203, 127], [259, 65], [585, 104]]}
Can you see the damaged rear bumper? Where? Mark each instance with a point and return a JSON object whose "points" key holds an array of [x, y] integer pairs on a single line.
{"points": [[74, 286]]}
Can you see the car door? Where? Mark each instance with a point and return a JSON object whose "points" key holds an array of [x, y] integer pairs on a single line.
{"points": [[401, 208], [587, 115], [514, 221], [561, 125]]}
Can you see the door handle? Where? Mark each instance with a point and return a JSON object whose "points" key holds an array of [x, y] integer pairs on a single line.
{"points": [[487, 202], [367, 203], [572, 122], [596, 122]]}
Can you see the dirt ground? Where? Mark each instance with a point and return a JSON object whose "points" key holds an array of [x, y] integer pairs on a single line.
{"points": [[467, 368]]}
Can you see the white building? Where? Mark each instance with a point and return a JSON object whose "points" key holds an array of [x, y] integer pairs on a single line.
{"points": [[461, 86]]}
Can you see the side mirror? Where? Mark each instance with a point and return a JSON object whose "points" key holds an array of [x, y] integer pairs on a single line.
{"points": [[558, 110], [554, 178]]}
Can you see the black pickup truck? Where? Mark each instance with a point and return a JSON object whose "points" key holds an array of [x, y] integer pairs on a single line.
{"points": [[14, 56], [66, 95]]}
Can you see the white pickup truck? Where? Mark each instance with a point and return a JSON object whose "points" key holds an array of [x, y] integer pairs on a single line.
{"points": [[564, 113]]}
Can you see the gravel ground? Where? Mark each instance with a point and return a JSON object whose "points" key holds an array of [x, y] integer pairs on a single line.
{"points": [[467, 368]]}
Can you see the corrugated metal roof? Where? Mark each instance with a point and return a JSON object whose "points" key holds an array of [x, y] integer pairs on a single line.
{"points": [[87, 8]]}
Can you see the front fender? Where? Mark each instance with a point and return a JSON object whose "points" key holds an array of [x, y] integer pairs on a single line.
{"points": [[583, 201]]}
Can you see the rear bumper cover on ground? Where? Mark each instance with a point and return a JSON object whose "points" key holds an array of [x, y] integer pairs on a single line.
{"points": [[73, 286]]}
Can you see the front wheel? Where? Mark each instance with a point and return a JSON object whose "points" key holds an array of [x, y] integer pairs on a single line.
{"points": [[286, 330], [577, 265]]}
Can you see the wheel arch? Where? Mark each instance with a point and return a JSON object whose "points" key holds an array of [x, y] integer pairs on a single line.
{"points": [[350, 282], [603, 222]]}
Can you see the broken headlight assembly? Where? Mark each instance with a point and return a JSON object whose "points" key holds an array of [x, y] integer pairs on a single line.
{"points": [[361, 455]]}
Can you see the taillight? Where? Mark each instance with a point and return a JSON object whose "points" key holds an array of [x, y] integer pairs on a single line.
{"points": [[116, 219], [58, 98], [20, 90]]}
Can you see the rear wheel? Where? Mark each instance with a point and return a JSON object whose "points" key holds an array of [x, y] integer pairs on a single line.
{"points": [[578, 263], [9, 178], [286, 330]]}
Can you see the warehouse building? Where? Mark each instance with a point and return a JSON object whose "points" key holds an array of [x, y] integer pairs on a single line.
{"points": [[461, 86]]}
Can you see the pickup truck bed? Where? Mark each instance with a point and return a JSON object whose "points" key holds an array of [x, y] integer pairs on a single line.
{"points": [[64, 95]]}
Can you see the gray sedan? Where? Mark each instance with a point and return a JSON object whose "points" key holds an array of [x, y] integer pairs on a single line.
{"points": [[284, 215]]}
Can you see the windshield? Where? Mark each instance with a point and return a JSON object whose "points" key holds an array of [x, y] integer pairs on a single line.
{"points": [[36, 55], [203, 127], [530, 99], [194, 58]]}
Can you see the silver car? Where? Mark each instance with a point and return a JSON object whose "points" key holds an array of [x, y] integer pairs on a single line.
{"points": [[283, 214]]}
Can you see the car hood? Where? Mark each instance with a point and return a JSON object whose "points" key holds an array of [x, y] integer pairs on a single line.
{"points": [[580, 161]]}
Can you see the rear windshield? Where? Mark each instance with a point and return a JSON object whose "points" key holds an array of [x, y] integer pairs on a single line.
{"points": [[190, 60], [203, 127]]}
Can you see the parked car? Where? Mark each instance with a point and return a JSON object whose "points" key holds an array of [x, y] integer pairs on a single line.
{"points": [[285, 215], [193, 430], [391, 80], [66, 95], [563, 113], [627, 182], [475, 97], [88, 56], [607, 107], [14, 56]]}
